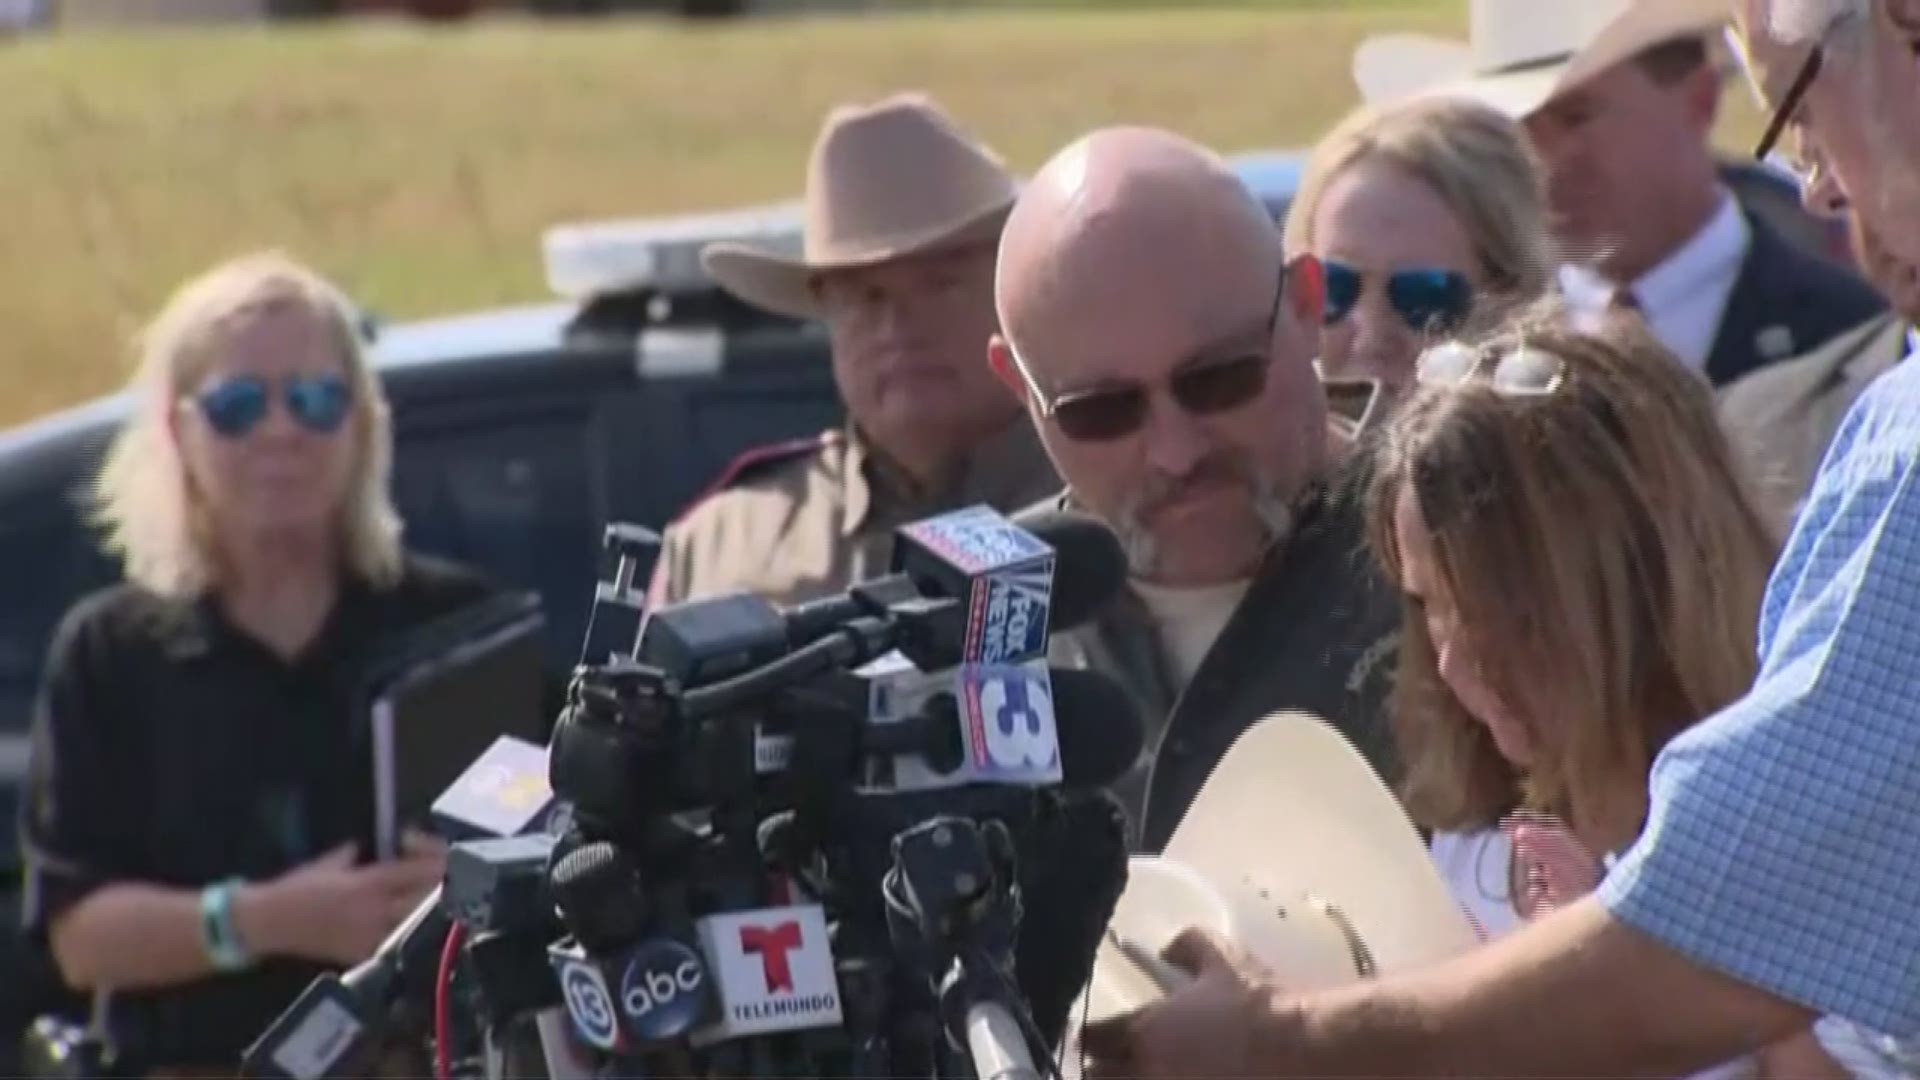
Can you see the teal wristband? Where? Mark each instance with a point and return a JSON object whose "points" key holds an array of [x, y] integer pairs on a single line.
{"points": [[218, 933]]}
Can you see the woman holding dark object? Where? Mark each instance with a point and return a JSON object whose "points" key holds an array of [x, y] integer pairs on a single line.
{"points": [[196, 818], [1582, 566]]}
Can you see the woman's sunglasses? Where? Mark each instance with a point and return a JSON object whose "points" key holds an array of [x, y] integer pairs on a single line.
{"points": [[235, 406], [1427, 300], [1519, 371]]}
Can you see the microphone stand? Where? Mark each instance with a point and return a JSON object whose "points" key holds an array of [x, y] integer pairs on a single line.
{"points": [[952, 905]]}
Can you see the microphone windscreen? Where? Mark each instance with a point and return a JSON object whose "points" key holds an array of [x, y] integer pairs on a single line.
{"points": [[1073, 868], [1098, 725], [1090, 566]]}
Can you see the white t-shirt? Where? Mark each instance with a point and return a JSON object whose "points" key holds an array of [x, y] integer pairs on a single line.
{"points": [[1188, 620], [1478, 870]]}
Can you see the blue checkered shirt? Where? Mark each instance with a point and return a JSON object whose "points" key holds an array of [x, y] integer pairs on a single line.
{"points": [[1782, 845]]}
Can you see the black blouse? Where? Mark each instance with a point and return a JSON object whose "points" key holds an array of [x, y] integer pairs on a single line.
{"points": [[171, 748]]}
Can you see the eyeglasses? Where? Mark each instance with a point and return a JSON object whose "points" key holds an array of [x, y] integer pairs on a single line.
{"points": [[1802, 82], [235, 406], [1790, 102], [1427, 300], [1518, 372], [1202, 389]]}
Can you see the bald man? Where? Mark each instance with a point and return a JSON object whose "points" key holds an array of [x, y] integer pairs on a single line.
{"points": [[1164, 349]]}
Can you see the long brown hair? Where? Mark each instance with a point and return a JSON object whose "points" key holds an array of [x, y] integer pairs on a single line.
{"points": [[1601, 547]]}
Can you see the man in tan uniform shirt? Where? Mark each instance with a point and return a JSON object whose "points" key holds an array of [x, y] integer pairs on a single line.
{"points": [[903, 212]]}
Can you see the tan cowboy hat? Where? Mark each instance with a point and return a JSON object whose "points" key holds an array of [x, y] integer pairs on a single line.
{"points": [[885, 181], [1522, 53], [1296, 852]]}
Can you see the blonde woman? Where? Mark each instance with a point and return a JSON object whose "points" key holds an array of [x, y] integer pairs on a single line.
{"points": [[1582, 569], [198, 806], [1428, 217]]}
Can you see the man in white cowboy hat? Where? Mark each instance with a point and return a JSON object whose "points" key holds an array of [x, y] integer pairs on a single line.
{"points": [[903, 209], [1164, 346], [1620, 99], [1776, 878]]}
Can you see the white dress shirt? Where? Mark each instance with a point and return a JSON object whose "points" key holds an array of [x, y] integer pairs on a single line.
{"points": [[1684, 298]]}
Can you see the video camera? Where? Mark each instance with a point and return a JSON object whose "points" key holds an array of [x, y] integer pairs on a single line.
{"points": [[791, 838]]}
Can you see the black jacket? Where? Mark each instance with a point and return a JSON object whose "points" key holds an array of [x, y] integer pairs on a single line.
{"points": [[1785, 303], [1318, 631]]}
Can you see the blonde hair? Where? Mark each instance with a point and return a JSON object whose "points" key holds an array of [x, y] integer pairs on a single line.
{"points": [[144, 497], [1475, 159], [1601, 548]]}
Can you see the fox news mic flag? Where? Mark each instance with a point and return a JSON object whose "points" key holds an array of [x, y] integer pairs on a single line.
{"points": [[1003, 573]]}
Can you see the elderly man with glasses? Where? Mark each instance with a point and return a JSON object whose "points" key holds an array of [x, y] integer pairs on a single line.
{"points": [[1165, 350], [1778, 877]]}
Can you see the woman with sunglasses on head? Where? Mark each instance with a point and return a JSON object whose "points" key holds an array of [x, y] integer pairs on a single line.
{"points": [[1582, 566], [1429, 217], [194, 813]]}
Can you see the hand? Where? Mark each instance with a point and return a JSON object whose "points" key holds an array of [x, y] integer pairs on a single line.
{"points": [[1556, 868], [1205, 1029], [335, 911]]}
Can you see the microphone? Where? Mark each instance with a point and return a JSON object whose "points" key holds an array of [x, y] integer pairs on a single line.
{"points": [[756, 972], [621, 992], [331, 1030], [773, 971], [1090, 566], [1029, 724], [1101, 735], [1089, 570], [505, 792], [333, 1027], [996, 577], [966, 587], [1070, 727]]}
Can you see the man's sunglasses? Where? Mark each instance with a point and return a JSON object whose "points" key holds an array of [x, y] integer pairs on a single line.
{"points": [[1202, 389], [235, 406], [1427, 300]]}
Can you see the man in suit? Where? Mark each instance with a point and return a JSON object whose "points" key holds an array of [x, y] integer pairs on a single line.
{"points": [[1784, 416], [1620, 98]]}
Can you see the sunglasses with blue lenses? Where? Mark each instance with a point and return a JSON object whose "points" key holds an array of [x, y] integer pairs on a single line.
{"points": [[235, 406], [1429, 301]]}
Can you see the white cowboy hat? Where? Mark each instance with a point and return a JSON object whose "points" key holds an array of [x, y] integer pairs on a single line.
{"points": [[1296, 852], [1523, 53], [884, 181]]}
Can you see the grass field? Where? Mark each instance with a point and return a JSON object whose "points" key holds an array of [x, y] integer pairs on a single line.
{"points": [[420, 166]]}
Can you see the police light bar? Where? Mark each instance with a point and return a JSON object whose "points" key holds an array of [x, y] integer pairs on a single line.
{"points": [[589, 259]]}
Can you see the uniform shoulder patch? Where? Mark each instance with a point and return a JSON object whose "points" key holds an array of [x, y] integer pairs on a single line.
{"points": [[761, 460]]}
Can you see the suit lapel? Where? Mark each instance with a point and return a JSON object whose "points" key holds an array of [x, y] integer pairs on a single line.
{"points": [[1757, 327]]}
